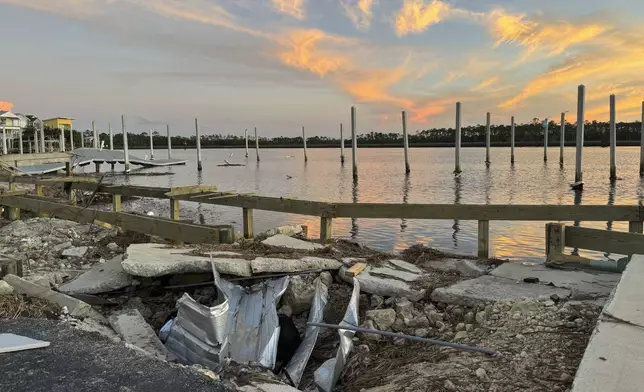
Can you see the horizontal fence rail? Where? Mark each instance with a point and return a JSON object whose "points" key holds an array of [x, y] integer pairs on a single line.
{"points": [[327, 211]]}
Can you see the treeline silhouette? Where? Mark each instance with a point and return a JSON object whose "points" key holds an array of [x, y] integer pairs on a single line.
{"points": [[596, 133]]}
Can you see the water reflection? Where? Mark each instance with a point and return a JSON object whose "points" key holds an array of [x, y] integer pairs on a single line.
{"points": [[488, 183], [578, 196], [354, 221], [202, 218], [457, 200], [611, 202], [405, 200]]}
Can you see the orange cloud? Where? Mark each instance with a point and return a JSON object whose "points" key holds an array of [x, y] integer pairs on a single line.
{"points": [[6, 106], [359, 12], [485, 83], [372, 86], [552, 38], [300, 49], [294, 8], [416, 15]]}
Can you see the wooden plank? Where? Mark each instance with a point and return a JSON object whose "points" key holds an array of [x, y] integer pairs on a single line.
{"points": [[487, 212], [116, 203], [604, 240], [46, 180], [291, 206], [164, 228], [125, 190], [190, 190], [356, 269], [204, 195], [174, 209], [326, 229], [484, 239], [248, 223]]}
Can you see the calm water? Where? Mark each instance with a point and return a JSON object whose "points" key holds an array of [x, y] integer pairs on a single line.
{"points": [[382, 179]]}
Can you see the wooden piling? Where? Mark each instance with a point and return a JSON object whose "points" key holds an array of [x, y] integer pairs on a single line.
{"points": [[636, 227], [248, 223], [256, 144], [342, 145], [4, 141], [167, 129], [545, 140], [555, 240], [116, 202], [581, 109], [642, 144], [125, 146], [151, 145], [306, 158], [36, 145], [94, 135], [457, 140], [512, 129], [562, 138], [326, 229], [487, 137], [71, 137], [198, 136], [109, 126], [174, 209], [20, 142], [246, 138], [14, 213], [62, 140], [484, 239], [42, 139], [405, 142], [354, 143], [613, 139]]}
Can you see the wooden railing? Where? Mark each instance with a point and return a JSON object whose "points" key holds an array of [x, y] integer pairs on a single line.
{"points": [[328, 211]]}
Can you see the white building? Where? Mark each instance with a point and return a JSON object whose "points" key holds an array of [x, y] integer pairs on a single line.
{"points": [[11, 125]]}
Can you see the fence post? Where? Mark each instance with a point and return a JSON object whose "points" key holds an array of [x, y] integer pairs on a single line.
{"points": [[326, 229], [14, 213], [248, 223], [116, 203], [484, 239], [555, 239], [636, 227], [174, 209], [40, 191]]}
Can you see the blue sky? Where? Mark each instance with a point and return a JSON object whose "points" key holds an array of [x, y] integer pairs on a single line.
{"points": [[281, 64]]}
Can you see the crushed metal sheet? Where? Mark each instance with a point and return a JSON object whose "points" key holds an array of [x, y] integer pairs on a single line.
{"points": [[297, 364], [10, 343], [328, 374], [253, 323], [198, 334]]}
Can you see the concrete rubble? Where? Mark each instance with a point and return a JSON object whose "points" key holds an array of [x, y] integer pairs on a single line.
{"points": [[466, 267], [134, 330], [79, 251], [389, 280], [102, 278], [5, 288], [289, 231], [274, 265], [283, 241]]}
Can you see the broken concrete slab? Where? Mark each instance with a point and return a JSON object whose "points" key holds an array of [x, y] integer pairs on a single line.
{"points": [[488, 288], [626, 302], [102, 278], [291, 243], [78, 251], [151, 260], [76, 308], [394, 273], [284, 230], [405, 266], [466, 267], [5, 288], [275, 265], [225, 253], [386, 287], [588, 284], [135, 331], [267, 387]]}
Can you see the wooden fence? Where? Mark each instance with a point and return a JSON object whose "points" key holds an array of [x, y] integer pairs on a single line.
{"points": [[326, 211]]}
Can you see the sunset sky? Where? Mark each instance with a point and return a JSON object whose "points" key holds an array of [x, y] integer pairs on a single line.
{"points": [[281, 64]]}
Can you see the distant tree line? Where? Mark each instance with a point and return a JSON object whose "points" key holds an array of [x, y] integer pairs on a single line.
{"points": [[525, 134]]}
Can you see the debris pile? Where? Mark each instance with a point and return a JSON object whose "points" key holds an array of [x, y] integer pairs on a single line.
{"points": [[248, 313]]}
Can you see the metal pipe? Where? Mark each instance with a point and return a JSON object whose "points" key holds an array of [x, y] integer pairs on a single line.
{"points": [[457, 346]]}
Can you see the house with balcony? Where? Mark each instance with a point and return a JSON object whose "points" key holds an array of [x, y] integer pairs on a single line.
{"points": [[11, 125]]}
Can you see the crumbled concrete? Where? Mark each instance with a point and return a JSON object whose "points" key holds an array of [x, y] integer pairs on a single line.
{"points": [[284, 230], [405, 266], [291, 243], [151, 260], [487, 288], [386, 287], [466, 267], [267, 387], [394, 273], [78, 251], [383, 318], [102, 278], [298, 295], [76, 308], [225, 253], [5, 288], [587, 283], [274, 265], [131, 326]]}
